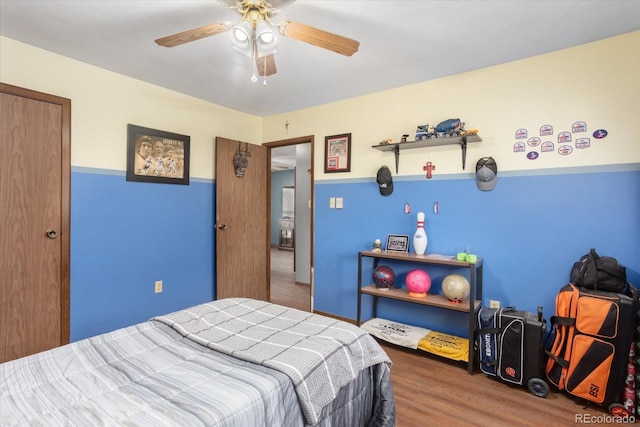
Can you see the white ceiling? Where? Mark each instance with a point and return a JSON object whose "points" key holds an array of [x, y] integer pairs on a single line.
{"points": [[401, 42], [283, 158]]}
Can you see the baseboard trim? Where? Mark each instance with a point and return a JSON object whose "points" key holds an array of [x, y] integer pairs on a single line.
{"points": [[333, 316]]}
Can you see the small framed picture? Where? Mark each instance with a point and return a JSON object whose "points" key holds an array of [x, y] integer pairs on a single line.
{"points": [[337, 153], [397, 243]]}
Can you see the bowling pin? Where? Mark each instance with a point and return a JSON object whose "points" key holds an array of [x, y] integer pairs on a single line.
{"points": [[420, 237]]}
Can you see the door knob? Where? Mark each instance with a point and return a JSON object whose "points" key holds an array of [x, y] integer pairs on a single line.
{"points": [[52, 234], [222, 226]]}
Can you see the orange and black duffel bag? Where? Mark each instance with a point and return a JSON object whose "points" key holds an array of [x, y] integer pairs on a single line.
{"points": [[593, 334]]}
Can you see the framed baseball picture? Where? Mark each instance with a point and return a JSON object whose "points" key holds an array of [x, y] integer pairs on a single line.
{"points": [[337, 153], [157, 156]]}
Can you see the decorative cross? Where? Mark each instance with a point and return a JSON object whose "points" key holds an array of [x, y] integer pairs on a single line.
{"points": [[429, 167]]}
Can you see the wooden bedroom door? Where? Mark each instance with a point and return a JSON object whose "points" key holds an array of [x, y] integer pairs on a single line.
{"points": [[242, 229], [35, 147]]}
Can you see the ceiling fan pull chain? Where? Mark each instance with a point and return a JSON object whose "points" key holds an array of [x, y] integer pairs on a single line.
{"points": [[264, 74], [253, 59]]}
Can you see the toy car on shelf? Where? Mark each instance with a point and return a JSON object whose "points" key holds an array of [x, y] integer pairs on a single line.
{"points": [[423, 132], [450, 127]]}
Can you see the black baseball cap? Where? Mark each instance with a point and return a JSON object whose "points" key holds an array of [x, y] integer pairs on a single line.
{"points": [[385, 183]]}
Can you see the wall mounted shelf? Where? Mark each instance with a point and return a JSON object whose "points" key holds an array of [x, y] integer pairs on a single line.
{"points": [[430, 142]]}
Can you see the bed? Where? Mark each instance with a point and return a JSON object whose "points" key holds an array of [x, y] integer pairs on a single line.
{"points": [[231, 362]]}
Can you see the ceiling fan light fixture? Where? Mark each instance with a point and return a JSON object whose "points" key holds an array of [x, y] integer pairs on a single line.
{"points": [[241, 37], [255, 35], [266, 39]]}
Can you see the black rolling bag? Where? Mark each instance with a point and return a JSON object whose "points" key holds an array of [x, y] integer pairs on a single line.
{"points": [[510, 346]]}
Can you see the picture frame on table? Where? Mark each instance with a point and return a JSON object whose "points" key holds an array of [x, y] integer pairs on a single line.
{"points": [[397, 243]]}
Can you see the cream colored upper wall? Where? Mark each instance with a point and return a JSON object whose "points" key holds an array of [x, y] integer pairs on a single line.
{"points": [[103, 103], [598, 83]]}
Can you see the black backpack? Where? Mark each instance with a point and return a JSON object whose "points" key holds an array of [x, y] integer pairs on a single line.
{"points": [[601, 273]]}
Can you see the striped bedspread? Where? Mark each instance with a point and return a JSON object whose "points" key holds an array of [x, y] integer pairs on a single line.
{"points": [[319, 354], [143, 375]]}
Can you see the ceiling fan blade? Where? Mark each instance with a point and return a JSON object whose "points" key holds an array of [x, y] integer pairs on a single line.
{"points": [[266, 65], [192, 35], [324, 39]]}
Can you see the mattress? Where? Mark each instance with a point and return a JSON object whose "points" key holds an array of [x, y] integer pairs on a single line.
{"points": [[181, 370]]}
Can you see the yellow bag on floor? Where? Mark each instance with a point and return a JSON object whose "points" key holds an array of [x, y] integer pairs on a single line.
{"points": [[445, 345]]}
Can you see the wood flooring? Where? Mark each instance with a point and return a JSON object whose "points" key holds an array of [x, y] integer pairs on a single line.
{"points": [[284, 289], [432, 391]]}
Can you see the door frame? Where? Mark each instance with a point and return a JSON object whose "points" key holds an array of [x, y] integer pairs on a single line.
{"points": [[65, 208], [281, 143]]}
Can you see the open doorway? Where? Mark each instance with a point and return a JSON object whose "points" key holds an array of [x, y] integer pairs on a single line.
{"points": [[291, 222]]}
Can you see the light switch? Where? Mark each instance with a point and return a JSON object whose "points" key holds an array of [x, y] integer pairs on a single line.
{"points": [[339, 202], [332, 202]]}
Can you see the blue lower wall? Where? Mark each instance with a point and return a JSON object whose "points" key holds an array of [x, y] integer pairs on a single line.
{"points": [[124, 237], [529, 232]]}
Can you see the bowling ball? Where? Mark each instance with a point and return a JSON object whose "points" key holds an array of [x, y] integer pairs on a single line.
{"points": [[383, 277], [418, 282], [455, 287]]}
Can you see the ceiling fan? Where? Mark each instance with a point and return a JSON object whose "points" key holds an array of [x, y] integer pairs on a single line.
{"points": [[255, 37]]}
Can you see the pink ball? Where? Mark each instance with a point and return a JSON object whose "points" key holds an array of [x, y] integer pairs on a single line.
{"points": [[418, 282]]}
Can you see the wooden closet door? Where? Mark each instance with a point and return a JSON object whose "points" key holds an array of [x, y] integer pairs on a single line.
{"points": [[34, 227]]}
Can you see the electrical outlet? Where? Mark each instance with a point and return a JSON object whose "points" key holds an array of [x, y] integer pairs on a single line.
{"points": [[158, 286], [494, 304]]}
